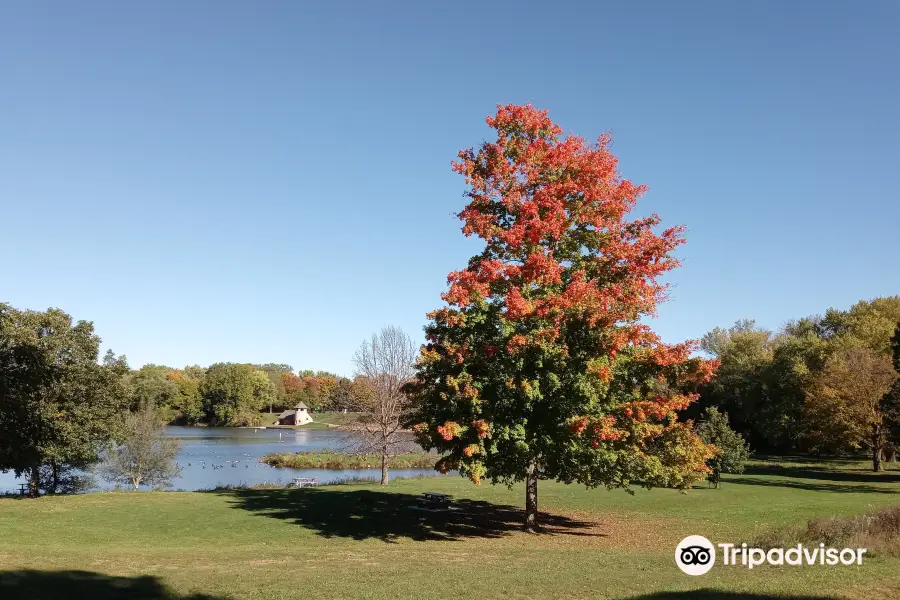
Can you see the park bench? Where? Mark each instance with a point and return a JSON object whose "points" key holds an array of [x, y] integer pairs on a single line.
{"points": [[435, 500], [305, 481]]}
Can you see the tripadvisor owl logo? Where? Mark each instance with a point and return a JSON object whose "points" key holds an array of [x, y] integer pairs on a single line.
{"points": [[696, 555]]}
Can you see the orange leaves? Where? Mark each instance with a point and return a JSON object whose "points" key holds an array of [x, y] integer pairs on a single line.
{"points": [[657, 408], [481, 427], [603, 429], [292, 383], [665, 355], [552, 213], [542, 269], [449, 430], [705, 370], [527, 119], [516, 305], [578, 425], [469, 392], [471, 450], [516, 343], [463, 286], [447, 316], [428, 354]]}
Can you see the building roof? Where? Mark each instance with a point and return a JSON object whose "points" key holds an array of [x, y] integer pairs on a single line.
{"points": [[301, 405], [286, 414]]}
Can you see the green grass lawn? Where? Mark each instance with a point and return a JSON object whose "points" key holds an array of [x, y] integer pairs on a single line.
{"points": [[334, 418], [362, 541]]}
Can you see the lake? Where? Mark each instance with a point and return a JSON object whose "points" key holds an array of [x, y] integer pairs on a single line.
{"points": [[214, 456]]}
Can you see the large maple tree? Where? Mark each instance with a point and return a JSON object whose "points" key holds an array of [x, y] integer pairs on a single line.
{"points": [[539, 367]]}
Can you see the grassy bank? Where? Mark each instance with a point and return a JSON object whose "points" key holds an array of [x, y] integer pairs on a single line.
{"points": [[364, 541], [338, 460], [335, 418], [323, 420]]}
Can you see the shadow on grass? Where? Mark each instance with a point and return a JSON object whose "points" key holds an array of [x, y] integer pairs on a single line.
{"points": [[718, 595], [363, 514], [808, 485], [83, 585], [857, 475], [805, 459]]}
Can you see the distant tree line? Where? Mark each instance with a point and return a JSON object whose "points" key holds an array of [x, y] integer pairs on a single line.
{"points": [[825, 384], [234, 394]]}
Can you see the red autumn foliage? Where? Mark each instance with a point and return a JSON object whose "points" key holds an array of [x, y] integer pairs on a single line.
{"points": [[546, 322]]}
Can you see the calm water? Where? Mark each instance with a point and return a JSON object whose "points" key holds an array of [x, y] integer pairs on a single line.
{"points": [[210, 457]]}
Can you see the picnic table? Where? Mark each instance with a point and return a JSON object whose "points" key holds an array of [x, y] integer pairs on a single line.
{"points": [[305, 481], [435, 500]]}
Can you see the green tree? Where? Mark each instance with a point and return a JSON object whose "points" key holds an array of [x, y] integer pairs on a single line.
{"points": [[869, 324], [151, 386], [265, 393], [144, 456], [59, 408], [796, 361], [740, 386], [233, 395], [188, 402], [732, 450], [275, 372]]}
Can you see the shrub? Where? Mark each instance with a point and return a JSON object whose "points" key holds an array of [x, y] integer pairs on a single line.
{"points": [[733, 451], [878, 531]]}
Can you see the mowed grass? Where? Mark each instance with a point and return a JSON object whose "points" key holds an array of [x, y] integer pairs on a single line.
{"points": [[364, 541], [335, 418], [323, 420]]}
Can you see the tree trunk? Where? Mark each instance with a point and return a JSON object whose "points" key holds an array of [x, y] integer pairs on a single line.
{"points": [[54, 484], [877, 446], [531, 500], [384, 467], [34, 482]]}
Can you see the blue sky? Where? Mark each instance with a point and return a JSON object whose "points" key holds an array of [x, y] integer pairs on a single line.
{"points": [[234, 181]]}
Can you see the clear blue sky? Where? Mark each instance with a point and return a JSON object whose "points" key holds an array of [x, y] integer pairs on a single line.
{"points": [[243, 181]]}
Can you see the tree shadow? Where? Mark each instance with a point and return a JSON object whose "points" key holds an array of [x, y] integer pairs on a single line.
{"points": [[363, 514], [827, 462], [808, 485], [78, 585], [708, 594], [852, 475]]}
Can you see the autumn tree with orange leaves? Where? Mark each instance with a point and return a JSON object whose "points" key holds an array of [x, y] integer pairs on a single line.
{"points": [[539, 367]]}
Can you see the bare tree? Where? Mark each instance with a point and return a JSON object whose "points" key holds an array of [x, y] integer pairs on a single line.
{"points": [[383, 364], [145, 454]]}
